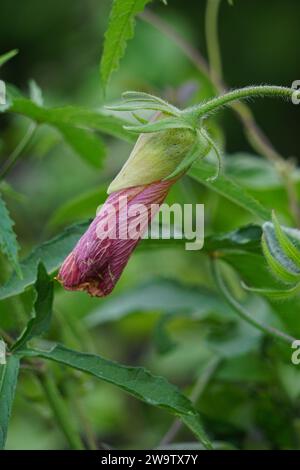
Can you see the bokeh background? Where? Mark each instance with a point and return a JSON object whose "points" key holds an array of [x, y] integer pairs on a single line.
{"points": [[252, 402]]}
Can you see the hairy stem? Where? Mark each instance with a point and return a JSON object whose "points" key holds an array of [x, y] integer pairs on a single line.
{"points": [[262, 91], [243, 313], [254, 134]]}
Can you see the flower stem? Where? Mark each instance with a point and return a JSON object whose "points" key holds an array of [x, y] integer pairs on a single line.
{"points": [[60, 411], [254, 134], [243, 313], [241, 93]]}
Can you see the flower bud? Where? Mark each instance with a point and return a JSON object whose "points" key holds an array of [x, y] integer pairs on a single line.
{"points": [[98, 259], [154, 157]]}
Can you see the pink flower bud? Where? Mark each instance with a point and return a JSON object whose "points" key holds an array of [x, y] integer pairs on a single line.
{"points": [[98, 259]]}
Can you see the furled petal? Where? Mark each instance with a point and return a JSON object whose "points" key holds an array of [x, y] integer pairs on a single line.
{"points": [[98, 259]]}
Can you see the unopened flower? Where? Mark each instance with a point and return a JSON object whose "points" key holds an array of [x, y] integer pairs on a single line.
{"points": [[98, 259]]}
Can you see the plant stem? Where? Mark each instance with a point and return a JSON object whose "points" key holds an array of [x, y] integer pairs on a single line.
{"points": [[242, 312], [273, 91], [212, 42], [15, 155], [254, 134], [196, 58], [198, 389], [60, 411]]}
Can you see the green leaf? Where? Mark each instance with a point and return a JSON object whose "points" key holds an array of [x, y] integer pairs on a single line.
{"points": [[120, 30], [6, 57], [246, 238], [85, 143], [8, 381], [137, 381], [8, 241], [42, 309], [162, 295], [202, 171], [71, 115], [285, 243], [281, 266], [51, 254], [80, 207]]}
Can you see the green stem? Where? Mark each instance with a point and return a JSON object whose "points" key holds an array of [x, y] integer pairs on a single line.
{"points": [[60, 411], [242, 312], [15, 155], [254, 134], [198, 389], [202, 109], [212, 40]]}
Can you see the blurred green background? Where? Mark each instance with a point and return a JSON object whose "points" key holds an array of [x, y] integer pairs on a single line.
{"points": [[253, 399]]}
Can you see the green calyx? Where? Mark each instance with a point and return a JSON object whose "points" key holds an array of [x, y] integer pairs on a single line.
{"points": [[166, 147], [157, 156], [169, 144]]}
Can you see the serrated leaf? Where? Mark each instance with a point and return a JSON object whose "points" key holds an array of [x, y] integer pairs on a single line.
{"points": [[120, 30], [40, 322], [8, 240], [137, 381], [202, 171], [8, 381], [7, 56], [71, 115]]}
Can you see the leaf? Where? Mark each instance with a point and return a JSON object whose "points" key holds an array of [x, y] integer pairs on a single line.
{"points": [[80, 207], [281, 266], [8, 241], [7, 56], [290, 250], [50, 253], [75, 116], [53, 252], [161, 295], [42, 309], [8, 382], [85, 143], [137, 381], [228, 188], [246, 238], [120, 30]]}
